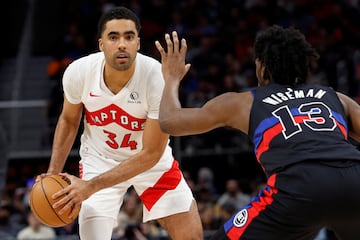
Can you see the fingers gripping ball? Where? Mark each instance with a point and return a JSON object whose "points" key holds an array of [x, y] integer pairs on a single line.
{"points": [[41, 201]]}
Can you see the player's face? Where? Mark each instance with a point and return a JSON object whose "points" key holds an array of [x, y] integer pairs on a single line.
{"points": [[120, 43]]}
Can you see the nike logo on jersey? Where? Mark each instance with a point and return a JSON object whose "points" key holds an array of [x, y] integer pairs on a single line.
{"points": [[93, 95]]}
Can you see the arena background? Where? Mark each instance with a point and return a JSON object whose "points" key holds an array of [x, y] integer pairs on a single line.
{"points": [[40, 37]]}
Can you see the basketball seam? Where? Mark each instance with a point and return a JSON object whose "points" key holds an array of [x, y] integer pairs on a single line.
{"points": [[46, 197], [35, 210], [68, 182]]}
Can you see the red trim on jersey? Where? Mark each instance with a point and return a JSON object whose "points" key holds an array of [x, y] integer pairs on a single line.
{"points": [[342, 129], [168, 181], [81, 170], [268, 136], [264, 199], [275, 130]]}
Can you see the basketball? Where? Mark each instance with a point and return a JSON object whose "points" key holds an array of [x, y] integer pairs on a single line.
{"points": [[41, 201]]}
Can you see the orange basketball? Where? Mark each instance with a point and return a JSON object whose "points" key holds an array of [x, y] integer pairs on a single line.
{"points": [[41, 201]]}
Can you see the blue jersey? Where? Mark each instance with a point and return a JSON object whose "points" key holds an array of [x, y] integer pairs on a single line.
{"points": [[293, 124]]}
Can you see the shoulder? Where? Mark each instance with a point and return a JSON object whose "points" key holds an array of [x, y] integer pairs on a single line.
{"points": [[85, 65], [149, 69], [147, 62], [147, 59], [236, 97], [347, 102], [89, 60]]}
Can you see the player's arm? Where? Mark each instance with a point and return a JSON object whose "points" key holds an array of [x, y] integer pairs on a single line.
{"points": [[154, 143], [65, 134], [352, 110], [230, 109]]}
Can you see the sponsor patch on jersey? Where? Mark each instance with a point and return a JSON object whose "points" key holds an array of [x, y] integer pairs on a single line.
{"points": [[241, 218], [134, 96]]}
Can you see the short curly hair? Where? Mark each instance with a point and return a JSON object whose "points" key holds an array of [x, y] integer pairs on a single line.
{"points": [[118, 13], [285, 53]]}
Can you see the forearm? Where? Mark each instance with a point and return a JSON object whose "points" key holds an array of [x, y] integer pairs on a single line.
{"points": [[170, 108], [154, 143], [129, 168], [64, 138]]}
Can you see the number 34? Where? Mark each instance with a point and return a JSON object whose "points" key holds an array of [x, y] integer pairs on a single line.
{"points": [[126, 142]]}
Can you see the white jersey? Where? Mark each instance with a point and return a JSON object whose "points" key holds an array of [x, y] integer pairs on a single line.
{"points": [[114, 123]]}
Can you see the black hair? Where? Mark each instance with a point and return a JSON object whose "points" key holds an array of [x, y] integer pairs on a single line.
{"points": [[285, 53], [118, 13]]}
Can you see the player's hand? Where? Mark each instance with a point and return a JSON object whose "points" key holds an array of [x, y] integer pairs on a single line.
{"points": [[173, 60], [72, 196], [42, 175]]}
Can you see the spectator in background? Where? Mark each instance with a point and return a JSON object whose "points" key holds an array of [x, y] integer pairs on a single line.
{"points": [[129, 215], [209, 219], [233, 195], [225, 211], [190, 182], [129, 223], [71, 229], [7, 226], [35, 230], [205, 190]]}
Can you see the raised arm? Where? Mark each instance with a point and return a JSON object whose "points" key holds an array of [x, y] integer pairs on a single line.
{"points": [[229, 109]]}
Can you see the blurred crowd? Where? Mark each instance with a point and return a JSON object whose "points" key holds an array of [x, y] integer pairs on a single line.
{"points": [[220, 37]]}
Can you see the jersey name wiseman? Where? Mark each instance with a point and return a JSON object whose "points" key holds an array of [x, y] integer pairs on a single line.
{"points": [[279, 97]]}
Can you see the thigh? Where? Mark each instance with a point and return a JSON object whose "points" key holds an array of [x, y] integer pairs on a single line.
{"points": [[98, 214], [183, 226], [163, 192], [106, 202], [96, 228]]}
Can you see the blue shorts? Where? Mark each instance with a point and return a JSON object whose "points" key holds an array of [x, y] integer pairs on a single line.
{"points": [[300, 200]]}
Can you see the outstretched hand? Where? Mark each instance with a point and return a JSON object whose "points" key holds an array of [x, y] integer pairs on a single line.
{"points": [[173, 61]]}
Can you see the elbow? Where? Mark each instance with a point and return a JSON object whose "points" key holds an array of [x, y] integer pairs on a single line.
{"points": [[165, 126], [173, 129], [173, 123], [170, 127]]}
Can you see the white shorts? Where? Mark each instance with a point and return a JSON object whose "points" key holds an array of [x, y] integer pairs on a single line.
{"points": [[162, 189]]}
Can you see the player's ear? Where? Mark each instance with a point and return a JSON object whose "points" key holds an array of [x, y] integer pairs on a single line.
{"points": [[138, 45], [101, 45]]}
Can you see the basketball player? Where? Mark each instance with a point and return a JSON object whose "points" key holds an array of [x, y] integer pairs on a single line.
{"points": [[300, 135], [122, 145]]}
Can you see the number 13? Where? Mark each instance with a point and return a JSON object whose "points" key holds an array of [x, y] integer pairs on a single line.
{"points": [[318, 118]]}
